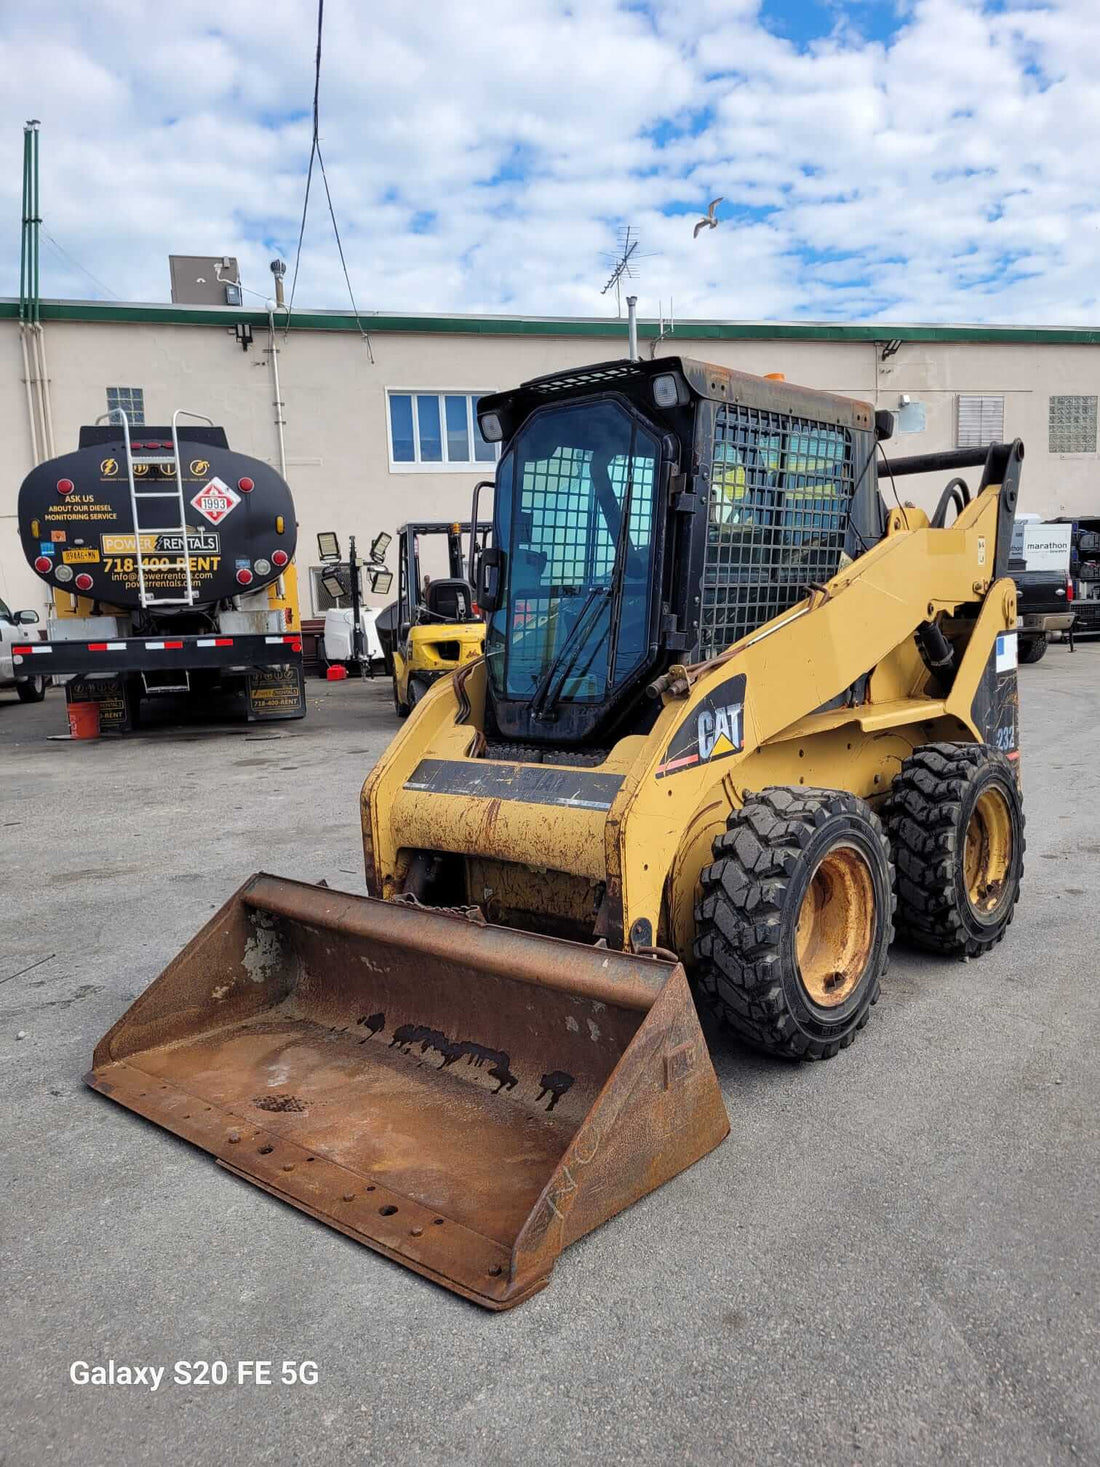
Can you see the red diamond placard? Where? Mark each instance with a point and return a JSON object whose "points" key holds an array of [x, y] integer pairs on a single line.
{"points": [[215, 500]]}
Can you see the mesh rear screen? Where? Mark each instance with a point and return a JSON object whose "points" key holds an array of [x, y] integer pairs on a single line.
{"points": [[779, 504]]}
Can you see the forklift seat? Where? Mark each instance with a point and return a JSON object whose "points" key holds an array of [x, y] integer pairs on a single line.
{"points": [[452, 600]]}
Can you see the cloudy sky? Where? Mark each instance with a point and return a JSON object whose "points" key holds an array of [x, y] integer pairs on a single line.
{"points": [[879, 159]]}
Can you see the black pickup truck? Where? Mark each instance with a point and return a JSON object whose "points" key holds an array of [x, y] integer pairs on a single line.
{"points": [[1085, 570], [1039, 565]]}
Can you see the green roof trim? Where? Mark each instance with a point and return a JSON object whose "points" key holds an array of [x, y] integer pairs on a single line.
{"points": [[229, 316]]}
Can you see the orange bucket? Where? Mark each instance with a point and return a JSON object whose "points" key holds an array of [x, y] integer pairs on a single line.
{"points": [[336, 673], [84, 720]]}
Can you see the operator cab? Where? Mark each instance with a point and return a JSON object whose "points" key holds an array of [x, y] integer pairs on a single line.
{"points": [[650, 513]]}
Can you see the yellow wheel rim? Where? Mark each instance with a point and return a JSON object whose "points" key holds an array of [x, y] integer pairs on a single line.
{"points": [[987, 854], [836, 927]]}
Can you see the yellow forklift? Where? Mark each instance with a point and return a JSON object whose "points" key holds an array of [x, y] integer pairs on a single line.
{"points": [[435, 626]]}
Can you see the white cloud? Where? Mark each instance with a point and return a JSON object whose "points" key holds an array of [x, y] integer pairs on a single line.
{"points": [[947, 174]]}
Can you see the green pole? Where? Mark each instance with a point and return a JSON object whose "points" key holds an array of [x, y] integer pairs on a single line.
{"points": [[36, 218], [24, 263]]}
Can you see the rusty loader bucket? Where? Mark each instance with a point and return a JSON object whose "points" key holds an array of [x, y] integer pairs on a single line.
{"points": [[465, 1099]]}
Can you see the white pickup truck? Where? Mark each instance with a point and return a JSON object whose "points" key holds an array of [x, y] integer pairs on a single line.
{"points": [[13, 626]]}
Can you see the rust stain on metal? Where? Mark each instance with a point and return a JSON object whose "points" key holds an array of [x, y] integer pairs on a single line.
{"points": [[437, 1104], [280, 1104]]}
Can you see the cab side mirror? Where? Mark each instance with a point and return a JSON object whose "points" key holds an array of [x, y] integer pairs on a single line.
{"points": [[25, 618], [490, 578]]}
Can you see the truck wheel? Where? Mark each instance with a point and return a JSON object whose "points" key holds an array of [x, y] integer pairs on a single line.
{"points": [[1033, 648], [956, 825], [31, 689], [401, 709], [795, 923]]}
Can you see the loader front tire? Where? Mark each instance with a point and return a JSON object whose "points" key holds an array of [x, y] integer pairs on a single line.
{"points": [[796, 919], [1032, 649], [956, 826]]}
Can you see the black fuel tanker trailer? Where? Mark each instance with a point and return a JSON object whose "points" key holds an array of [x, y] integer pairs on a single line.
{"points": [[170, 559]]}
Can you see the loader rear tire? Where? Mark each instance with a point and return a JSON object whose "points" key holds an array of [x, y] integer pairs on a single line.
{"points": [[796, 919], [956, 827]]}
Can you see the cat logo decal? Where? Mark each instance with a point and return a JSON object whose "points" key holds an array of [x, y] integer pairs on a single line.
{"points": [[713, 730]]}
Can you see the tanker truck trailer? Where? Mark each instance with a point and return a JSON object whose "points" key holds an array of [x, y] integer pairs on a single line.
{"points": [[170, 561]]}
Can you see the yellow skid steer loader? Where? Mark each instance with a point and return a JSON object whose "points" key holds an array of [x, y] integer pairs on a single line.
{"points": [[737, 718]]}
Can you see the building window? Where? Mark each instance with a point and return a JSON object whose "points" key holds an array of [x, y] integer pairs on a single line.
{"points": [[436, 431], [320, 600], [979, 421], [130, 399], [1072, 425]]}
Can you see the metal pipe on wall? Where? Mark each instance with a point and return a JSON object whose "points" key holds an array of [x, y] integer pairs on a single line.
{"points": [[274, 350], [31, 419], [44, 392]]}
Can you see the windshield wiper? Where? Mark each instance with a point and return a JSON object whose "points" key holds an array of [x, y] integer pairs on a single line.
{"points": [[543, 700]]}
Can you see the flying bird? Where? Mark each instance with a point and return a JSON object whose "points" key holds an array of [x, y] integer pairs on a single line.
{"points": [[709, 221]]}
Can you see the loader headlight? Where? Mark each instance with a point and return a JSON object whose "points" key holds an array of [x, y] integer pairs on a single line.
{"points": [[492, 430], [667, 390]]}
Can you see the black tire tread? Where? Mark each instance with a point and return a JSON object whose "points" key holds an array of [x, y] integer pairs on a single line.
{"points": [[921, 814], [31, 690], [739, 917]]}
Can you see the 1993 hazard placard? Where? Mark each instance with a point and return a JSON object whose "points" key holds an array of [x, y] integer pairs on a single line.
{"points": [[215, 500]]}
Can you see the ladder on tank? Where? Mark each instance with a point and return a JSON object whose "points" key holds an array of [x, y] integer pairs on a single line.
{"points": [[159, 459]]}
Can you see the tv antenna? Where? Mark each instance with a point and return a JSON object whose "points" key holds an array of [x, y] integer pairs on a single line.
{"points": [[666, 326], [625, 262]]}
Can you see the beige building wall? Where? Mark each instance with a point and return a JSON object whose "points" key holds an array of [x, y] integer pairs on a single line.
{"points": [[337, 447]]}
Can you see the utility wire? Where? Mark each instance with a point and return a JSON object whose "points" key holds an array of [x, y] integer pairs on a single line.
{"points": [[312, 153], [315, 152], [893, 486], [340, 249], [76, 263]]}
